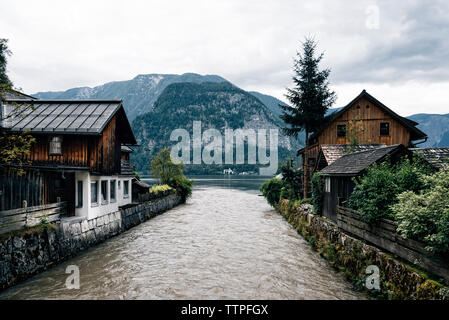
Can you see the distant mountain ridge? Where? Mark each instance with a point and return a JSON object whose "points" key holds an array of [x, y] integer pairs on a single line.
{"points": [[219, 106], [436, 126], [138, 94]]}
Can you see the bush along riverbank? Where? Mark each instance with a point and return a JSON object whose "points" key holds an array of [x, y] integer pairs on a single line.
{"points": [[353, 257]]}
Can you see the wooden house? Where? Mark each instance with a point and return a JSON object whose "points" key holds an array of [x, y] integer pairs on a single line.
{"points": [[364, 121], [338, 177], [78, 156]]}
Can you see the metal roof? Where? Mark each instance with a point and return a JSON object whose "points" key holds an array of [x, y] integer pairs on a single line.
{"points": [[60, 116], [355, 163]]}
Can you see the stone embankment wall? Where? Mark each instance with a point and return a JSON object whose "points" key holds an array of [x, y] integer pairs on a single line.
{"points": [[23, 254], [397, 280]]}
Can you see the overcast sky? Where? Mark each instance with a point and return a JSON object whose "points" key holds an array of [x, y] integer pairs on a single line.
{"points": [[396, 50]]}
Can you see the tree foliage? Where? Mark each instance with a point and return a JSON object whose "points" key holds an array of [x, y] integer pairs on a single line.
{"points": [[170, 173], [310, 97], [317, 192], [271, 190], [14, 146], [424, 215], [5, 83], [377, 191], [292, 179]]}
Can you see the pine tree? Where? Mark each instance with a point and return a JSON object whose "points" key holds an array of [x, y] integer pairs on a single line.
{"points": [[310, 98]]}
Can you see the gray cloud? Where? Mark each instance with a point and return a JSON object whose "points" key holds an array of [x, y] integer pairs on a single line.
{"points": [[416, 48], [58, 45]]}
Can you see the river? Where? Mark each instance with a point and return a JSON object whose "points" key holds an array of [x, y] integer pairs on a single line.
{"points": [[226, 242]]}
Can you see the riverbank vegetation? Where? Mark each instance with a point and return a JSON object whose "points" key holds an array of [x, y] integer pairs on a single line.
{"points": [[171, 174], [411, 194]]}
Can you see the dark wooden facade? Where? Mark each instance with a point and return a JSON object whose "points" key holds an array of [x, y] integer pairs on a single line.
{"points": [[49, 177], [36, 187], [98, 154]]}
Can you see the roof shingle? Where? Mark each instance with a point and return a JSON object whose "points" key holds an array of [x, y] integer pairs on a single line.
{"points": [[355, 163], [438, 157]]}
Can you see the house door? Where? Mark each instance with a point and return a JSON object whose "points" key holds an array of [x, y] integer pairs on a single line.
{"points": [[65, 190]]}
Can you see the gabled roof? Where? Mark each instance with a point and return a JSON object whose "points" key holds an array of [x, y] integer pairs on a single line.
{"points": [[437, 157], [354, 164], [409, 124], [66, 116]]}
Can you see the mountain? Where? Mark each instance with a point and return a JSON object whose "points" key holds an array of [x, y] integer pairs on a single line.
{"points": [[217, 105], [270, 102], [138, 94], [436, 126]]}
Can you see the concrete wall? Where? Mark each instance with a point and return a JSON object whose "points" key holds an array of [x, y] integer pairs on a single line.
{"points": [[25, 254], [99, 209]]}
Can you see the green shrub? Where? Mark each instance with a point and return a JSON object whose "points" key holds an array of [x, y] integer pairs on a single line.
{"points": [[378, 190], [292, 179], [317, 193], [160, 188], [170, 173], [183, 186], [374, 194], [424, 216], [271, 190], [164, 169], [136, 175]]}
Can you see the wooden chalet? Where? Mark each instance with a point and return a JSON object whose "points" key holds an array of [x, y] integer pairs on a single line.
{"points": [[365, 117], [338, 177], [79, 155]]}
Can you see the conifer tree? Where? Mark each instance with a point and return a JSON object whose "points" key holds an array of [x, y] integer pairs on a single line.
{"points": [[310, 98]]}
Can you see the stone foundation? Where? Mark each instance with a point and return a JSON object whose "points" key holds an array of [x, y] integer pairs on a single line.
{"points": [[29, 252], [398, 280]]}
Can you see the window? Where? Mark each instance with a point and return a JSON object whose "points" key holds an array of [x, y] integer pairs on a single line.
{"points": [[55, 145], [327, 185], [104, 191], [94, 192], [384, 129], [341, 130], [311, 161], [79, 200], [118, 182], [112, 190], [126, 189]]}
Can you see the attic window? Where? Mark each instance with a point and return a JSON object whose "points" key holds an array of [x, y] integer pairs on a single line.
{"points": [[384, 129], [341, 130], [56, 146], [367, 106]]}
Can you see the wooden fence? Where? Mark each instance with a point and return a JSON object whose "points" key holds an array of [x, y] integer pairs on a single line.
{"points": [[30, 216], [384, 236]]}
